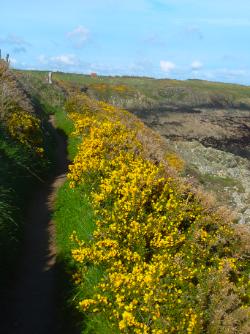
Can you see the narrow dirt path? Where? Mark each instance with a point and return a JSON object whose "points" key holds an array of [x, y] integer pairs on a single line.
{"points": [[33, 301]]}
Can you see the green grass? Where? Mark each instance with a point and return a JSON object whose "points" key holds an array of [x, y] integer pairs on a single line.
{"points": [[98, 325], [220, 182], [157, 88], [48, 98], [64, 124], [73, 212], [214, 183]]}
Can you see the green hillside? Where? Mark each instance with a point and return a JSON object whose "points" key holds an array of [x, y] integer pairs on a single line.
{"points": [[146, 93]]}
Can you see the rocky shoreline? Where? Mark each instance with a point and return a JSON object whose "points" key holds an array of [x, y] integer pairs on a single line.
{"points": [[224, 174], [215, 145]]}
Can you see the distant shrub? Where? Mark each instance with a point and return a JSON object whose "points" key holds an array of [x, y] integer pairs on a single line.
{"points": [[175, 161], [103, 87]]}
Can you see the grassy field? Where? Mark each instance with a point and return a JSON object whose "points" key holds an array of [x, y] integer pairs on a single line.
{"points": [[155, 93]]}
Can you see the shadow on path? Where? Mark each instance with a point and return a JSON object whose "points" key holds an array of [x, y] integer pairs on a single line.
{"points": [[32, 304]]}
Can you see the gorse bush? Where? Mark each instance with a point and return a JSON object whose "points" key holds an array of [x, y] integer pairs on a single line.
{"points": [[17, 114], [174, 161], [167, 261]]}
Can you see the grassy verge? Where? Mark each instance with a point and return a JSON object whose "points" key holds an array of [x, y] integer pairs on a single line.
{"points": [[65, 124], [73, 212]]}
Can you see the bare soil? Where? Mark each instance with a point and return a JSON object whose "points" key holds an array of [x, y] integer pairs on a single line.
{"points": [[31, 307]]}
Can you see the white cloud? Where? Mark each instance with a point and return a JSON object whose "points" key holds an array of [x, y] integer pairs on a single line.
{"points": [[79, 36], [167, 66], [239, 76], [196, 65], [60, 62], [65, 59]]}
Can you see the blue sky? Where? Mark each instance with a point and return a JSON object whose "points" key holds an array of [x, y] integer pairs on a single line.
{"points": [[205, 39]]}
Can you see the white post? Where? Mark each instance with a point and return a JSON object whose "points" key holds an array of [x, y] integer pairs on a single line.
{"points": [[50, 78]]}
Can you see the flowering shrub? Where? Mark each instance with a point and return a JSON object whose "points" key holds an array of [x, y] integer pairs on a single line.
{"points": [[25, 128], [163, 254], [16, 113], [103, 87], [175, 161]]}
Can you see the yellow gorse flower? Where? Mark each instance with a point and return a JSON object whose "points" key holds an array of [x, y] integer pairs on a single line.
{"points": [[25, 128], [153, 237]]}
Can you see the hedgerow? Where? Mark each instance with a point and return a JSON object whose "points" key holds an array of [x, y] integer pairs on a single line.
{"points": [[24, 161], [167, 261]]}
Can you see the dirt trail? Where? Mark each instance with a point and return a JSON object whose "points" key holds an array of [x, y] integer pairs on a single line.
{"points": [[32, 306]]}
